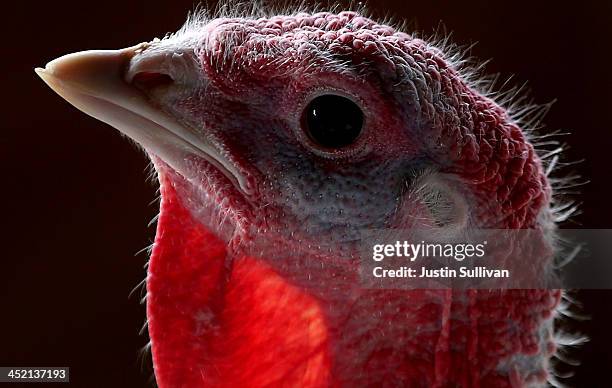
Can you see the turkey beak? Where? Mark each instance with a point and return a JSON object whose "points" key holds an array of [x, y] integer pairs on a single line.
{"points": [[101, 83]]}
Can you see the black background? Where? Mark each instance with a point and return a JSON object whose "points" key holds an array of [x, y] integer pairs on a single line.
{"points": [[75, 201]]}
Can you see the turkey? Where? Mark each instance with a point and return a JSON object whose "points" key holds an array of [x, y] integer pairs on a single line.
{"points": [[276, 139]]}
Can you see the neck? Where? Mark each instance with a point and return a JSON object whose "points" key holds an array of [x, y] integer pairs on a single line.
{"points": [[223, 320]]}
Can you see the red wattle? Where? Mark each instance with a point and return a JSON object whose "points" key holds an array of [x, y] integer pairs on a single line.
{"points": [[210, 326]]}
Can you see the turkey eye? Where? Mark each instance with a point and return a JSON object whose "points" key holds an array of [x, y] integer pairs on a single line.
{"points": [[332, 121]]}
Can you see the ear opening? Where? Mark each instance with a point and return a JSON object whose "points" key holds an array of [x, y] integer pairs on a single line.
{"points": [[439, 204]]}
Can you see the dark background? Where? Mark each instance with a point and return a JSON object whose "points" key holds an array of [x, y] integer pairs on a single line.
{"points": [[76, 201]]}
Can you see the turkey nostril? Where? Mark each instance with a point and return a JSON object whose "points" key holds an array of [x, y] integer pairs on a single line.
{"points": [[159, 67], [147, 81]]}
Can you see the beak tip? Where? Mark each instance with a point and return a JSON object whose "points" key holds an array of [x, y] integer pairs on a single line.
{"points": [[43, 73]]}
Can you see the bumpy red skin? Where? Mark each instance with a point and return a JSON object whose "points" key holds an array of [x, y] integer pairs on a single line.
{"points": [[216, 322]]}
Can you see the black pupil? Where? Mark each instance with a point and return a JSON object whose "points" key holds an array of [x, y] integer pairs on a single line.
{"points": [[333, 121]]}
